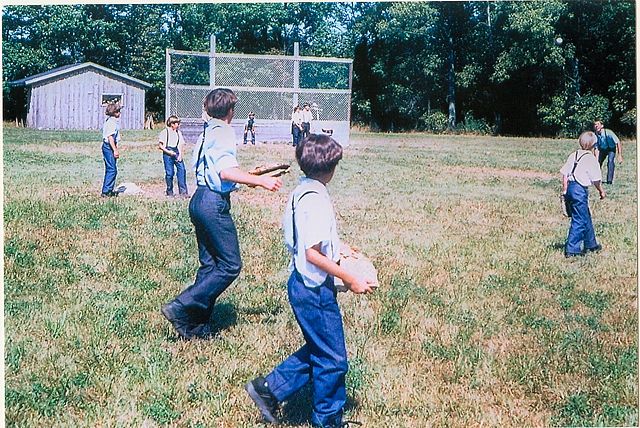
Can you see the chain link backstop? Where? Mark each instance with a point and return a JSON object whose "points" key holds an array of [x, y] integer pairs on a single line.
{"points": [[268, 85]]}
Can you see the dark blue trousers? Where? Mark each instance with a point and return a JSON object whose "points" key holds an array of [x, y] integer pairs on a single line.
{"points": [[610, 155], [171, 164], [219, 253], [323, 357], [297, 134], [110, 168], [581, 229]]}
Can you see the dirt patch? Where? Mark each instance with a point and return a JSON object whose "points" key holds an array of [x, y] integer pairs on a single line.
{"points": [[502, 173]]}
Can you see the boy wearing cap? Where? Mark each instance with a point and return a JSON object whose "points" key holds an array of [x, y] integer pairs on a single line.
{"points": [[171, 143], [307, 117], [110, 153]]}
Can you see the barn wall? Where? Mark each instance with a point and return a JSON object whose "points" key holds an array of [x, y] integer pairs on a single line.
{"points": [[74, 102]]}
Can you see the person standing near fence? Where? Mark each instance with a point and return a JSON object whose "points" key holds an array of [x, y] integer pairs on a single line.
{"points": [[307, 118], [217, 175], [250, 126], [296, 125], [110, 153], [578, 173], [171, 143], [608, 146]]}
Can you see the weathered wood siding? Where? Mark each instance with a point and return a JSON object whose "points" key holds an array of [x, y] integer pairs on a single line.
{"points": [[74, 101]]}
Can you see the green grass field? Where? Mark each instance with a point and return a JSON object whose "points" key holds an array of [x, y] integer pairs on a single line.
{"points": [[479, 319]]}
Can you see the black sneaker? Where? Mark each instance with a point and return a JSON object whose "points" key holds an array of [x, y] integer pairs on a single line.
{"points": [[594, 249], [259, 392], [175, 314]]}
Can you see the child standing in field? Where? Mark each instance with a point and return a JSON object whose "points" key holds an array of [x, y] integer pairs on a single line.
{"points": [[217, 175], [580, 171], [250, 126], [171, 143], [110, 153], [312, 238]]}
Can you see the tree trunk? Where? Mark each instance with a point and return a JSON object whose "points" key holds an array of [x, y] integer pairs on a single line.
{"points": [[451, 81]]}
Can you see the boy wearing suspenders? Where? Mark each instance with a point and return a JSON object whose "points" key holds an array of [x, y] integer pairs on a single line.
{"points": [[311, 236], [580, 171], [171, 143], [217, 175]]}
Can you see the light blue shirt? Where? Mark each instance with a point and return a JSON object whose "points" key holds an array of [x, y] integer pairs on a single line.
{"points": [[219, 150], [111, 127], [315, 223]]}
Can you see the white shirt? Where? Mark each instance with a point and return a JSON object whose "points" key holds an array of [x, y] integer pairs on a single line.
{"points": [[296, 118], [111, 127], [315, 223], [170, 138], [587, 171], [307, 116], [220, 152]]}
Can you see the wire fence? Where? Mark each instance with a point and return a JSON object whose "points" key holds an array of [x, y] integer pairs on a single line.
{"points": [[268, 85]]}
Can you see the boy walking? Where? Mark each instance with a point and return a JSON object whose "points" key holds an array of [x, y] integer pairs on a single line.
{"points": [[312, 238], [217, 175]]}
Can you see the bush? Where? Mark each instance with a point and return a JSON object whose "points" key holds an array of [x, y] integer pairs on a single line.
{"points": [[570, 120], [435, 122], [629, 118], [472, 125]]}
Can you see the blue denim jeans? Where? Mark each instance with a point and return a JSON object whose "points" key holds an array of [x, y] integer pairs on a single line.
{"points": [[610, 155], [218, 249], [581, 229], [297, 134], [323, 357], [110, 168], [171, 163]]}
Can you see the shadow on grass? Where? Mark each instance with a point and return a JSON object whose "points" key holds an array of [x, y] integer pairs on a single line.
{"points": [[557, 246], [224, 316], [297, 410]]}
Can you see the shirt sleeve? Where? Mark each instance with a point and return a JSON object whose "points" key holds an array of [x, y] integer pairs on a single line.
{"points": [[109, 129], [593, 169], [225, 152], [614, 136], [568, 166], [162, 137], [314, 223]]}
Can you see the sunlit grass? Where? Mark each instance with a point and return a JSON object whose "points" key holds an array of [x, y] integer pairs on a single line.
{"points": [[479, 319]]}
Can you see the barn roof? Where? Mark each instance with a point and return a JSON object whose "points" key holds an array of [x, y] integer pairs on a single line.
{"points": [[66, 69]]}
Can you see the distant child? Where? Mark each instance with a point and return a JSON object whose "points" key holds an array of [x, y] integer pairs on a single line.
{"points": [[296, 125], [250, 126], [307, 117], [217, 175], [312, 238], [171, 143], [607, 147], [580, 171], [110, 153]]}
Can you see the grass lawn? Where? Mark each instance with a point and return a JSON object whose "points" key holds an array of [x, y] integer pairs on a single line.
{"points": [[479, 319]]}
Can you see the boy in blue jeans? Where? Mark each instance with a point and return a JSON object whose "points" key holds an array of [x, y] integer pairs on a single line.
{"points": [[312, 238], [217, 174]]}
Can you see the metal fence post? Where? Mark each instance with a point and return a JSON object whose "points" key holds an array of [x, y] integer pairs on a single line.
{"points": [[212, 61], [296, 72]]}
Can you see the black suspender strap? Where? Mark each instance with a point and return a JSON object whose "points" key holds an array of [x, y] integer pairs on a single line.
{"points": [[204, 158], [575, 164]]}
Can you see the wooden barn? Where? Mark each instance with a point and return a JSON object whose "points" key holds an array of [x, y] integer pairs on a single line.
{"points": [[75, 96]]}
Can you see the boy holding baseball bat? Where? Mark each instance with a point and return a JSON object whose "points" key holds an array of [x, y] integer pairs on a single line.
{"points": [[312, 238]]}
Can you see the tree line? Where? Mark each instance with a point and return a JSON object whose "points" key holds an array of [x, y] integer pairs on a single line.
{"points": [[513, 68]]}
